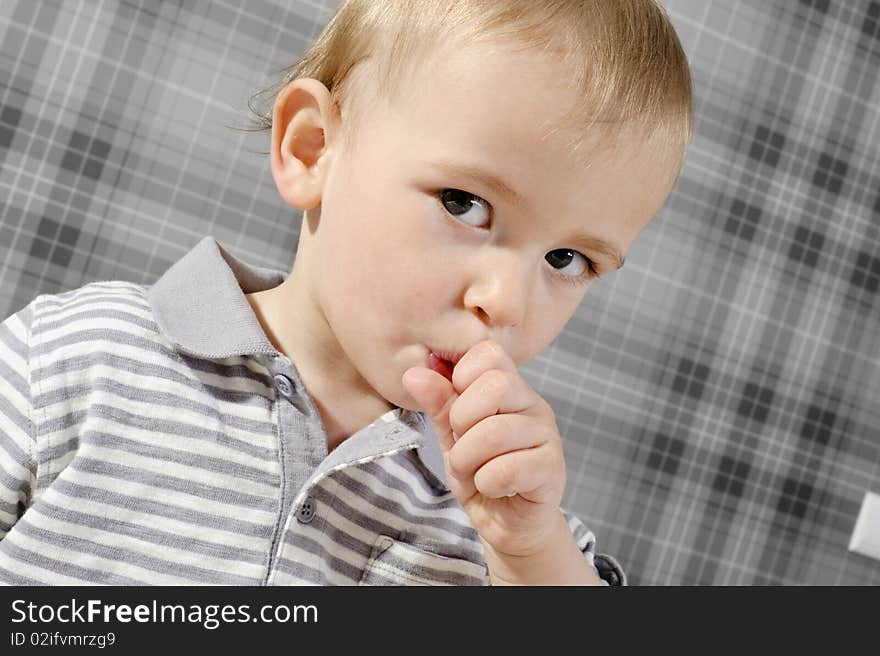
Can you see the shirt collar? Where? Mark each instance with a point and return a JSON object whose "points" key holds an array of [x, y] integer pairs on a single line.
{"points": [[199, 305]]}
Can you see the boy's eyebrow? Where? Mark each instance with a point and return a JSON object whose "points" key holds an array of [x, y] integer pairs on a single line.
{"points": [[603, 247], [488, 179], [501, 188]]}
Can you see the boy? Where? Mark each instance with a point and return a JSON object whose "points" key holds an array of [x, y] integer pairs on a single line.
{"points": [[361, 420]]}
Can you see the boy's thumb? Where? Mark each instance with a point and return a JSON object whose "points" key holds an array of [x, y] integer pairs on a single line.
{"points": [[435, 395]]}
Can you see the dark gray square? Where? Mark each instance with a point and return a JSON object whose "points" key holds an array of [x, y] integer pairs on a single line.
{"points": [[6, 136], [47, 228], [10, 115], [93, 169], [71, 161], [68, 235], [61, 256], [79, 141], [40, 249]]}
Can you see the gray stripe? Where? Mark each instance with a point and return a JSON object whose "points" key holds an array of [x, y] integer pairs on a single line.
{"points": [[301, 571], [12, 578], [9, 507], [377, 469], [115, 336], [338, 504], [340, 536], [225, 370], [93, 293], [425, 473], [16, 455], [374, 578], [151, 507], [100, 312], [13, 414], [65, 568], [359, 490], [14, 344], [15, 379], [60, 422], [337, 501], [155, 398], [57, 451], [156, 536], [580, 531], [14, 484], [87, 300], [175, 484], [182, 429], [195, 460], [446, 575], [103, 336], [334, 563], [145, 367], [123, 555]]}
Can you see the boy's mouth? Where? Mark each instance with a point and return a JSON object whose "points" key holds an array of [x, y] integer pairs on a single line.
{"points": [[442, 363]]}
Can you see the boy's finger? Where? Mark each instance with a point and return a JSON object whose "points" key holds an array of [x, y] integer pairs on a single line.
{"points": [[524, 472], [494, 393], [435, 395], [490, 438], [482, 356]]}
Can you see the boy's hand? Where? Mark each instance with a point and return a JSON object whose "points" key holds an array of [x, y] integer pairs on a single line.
{"points": [[499, 437]]}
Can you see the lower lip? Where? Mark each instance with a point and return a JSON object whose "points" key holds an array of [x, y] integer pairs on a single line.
{"points": [[441, 366]]}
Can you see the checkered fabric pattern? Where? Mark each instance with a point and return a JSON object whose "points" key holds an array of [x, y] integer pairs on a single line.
{"points": [[718, 396]]}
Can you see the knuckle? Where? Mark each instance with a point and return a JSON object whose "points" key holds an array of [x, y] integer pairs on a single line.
{"points": [[494, 384], [456, 419], [499, 435], [505, 474]]}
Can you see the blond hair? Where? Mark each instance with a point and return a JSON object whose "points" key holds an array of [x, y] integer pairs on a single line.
{"points": [[624, 56]]}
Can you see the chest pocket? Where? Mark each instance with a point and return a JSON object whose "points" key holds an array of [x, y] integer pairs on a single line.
{"points": [[398, 563]]}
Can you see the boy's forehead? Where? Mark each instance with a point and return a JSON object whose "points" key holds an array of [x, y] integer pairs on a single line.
{"points": [[505, 94], [490, 97]]}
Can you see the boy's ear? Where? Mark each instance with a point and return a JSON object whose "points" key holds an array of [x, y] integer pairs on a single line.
{"points": [[303, 125]]}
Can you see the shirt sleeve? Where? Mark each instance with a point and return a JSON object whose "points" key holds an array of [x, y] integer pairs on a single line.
{"points": [[607, 568], [18, 466]]}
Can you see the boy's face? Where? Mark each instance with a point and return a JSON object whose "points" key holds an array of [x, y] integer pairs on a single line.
{"points": [[397, 268]]}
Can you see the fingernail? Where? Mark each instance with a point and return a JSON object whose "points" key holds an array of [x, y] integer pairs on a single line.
{"points": [[454, 437]]}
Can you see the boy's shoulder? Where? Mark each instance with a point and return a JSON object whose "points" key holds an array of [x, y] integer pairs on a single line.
{"points": [[105, 294], [107, 289], [93, 311]]}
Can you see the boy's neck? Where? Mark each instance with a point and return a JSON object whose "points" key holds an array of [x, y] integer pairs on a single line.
{"points": [[344, 405]]}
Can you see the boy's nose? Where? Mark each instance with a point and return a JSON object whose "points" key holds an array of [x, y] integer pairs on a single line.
{"points": [[501, 291]]}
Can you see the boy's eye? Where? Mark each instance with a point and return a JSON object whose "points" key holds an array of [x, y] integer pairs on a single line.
{"points": [[561, 258], [459, 204]]}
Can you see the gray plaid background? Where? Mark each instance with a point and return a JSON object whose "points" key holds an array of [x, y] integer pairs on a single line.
{"points": [[718, 396]]}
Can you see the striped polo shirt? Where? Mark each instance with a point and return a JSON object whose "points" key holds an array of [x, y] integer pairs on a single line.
{"points": [[153, 435]]}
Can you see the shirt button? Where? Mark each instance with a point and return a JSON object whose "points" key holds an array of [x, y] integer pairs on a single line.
{"points": [[306, 511], [284, 385]]}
